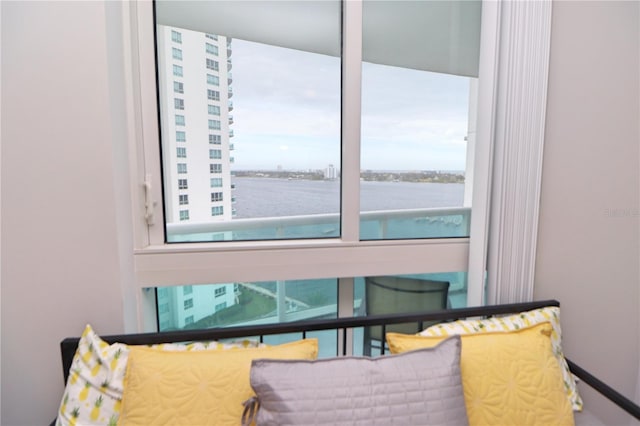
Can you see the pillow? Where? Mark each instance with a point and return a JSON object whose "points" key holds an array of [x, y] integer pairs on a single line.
{"points": [[196, 388], [417, 388], [509, 378], [94, 388], [514, 322]]}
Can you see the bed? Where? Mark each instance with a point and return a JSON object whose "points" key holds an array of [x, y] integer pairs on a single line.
{"points": [[345, 329]]}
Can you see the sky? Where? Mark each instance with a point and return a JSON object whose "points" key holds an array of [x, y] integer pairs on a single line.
{"points": [[287, 113]]}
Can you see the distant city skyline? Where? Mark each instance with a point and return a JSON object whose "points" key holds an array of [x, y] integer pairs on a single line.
{"points": [[287, 113]]}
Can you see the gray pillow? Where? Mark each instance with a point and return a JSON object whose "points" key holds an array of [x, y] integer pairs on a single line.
{"points": [[421, 387]]}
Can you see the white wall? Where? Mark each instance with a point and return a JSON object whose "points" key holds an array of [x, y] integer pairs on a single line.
{"points": [[589, 236], [60, 263]]}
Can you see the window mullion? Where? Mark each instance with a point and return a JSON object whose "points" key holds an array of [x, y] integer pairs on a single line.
{"points": [[351, 116]]}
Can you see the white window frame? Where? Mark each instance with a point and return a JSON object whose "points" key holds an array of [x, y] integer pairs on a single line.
{"points": [[157, 263]]}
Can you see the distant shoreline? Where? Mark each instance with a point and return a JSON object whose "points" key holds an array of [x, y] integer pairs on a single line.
{"points": [[430, 176]]}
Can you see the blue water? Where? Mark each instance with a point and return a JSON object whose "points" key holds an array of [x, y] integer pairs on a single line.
{"points": [[269, 197]]}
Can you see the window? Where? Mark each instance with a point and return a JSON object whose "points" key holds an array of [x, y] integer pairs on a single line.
{"points": [[213, 95], [183, 184], [215, 139], [221, 306], [183, 199], [213, 79], [341, 189], [176, 36], [177, 70], [182, 168], [178, 87], [212, 36], [214, 110], [188, 320], [177, 53], [187, 289], [188, 304], [220, 291], [181, 152], [184, 214], [163, 308], [178, 103], [210, 48], [215, 153], [216, 196], [212, 65], [216, 182], [179, 120], [181, 136], [214, 124]]}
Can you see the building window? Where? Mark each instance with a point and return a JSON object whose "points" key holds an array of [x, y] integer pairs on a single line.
{"points": [[212, 36], [215, 168], [213, 95], [216, 182], [178, 103], [163, 308], [215, 153], [176, 36], [188, 320], [183, 184], [213, 79], [220, 291], [177, 70], [182, 168], [214, 124], [187, 289], [181, 136], [181, 152], [183, 199], [184, 214], [216, 196], [178, 87], [177, 53], [217, 211], [188, 303], [221, 306], [179, 120], [210, 48], [214, 110], [215, 139], [212, 65]]}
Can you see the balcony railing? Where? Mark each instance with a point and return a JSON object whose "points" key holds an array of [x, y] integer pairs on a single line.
{"points": [[388, 224]]}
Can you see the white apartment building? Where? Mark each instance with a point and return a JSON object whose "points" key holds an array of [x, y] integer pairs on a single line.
{"points": [[195, 86], [194, 82]]}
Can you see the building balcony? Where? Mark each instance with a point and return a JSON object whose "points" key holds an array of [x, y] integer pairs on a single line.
{"points": [[387, 224], [229, 66], [230, 133], [231, 147], [231, 119], [230, 105], [229, 78], [230, 92], [228, 53]]}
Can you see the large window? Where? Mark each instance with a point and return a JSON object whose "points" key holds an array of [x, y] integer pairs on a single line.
{"points": [[353, 144]]}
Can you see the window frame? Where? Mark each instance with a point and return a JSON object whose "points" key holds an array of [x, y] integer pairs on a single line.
{"points": [[160, 264]]}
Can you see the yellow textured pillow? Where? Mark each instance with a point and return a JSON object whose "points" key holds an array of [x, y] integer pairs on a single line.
{"points": [[196, 388], [509, 378]]}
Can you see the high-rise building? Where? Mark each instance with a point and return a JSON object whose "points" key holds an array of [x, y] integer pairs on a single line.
{"points": [[194, 81], [194, 71]]}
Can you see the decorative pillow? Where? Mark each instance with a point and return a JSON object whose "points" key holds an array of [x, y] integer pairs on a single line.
{"points": [[515, 322], [509, 378], [94, 389], [417, 388], [196, 388]]}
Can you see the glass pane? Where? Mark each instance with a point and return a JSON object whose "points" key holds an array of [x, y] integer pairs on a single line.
{"points": [[259, 111], [418, 78], [235, 304], [403, 294]]}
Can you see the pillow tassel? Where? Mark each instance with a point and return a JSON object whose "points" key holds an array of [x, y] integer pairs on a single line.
{"points": [[251, 407]]}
